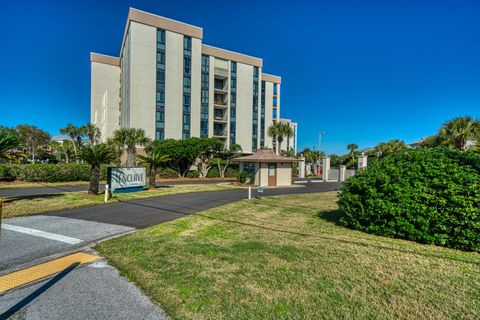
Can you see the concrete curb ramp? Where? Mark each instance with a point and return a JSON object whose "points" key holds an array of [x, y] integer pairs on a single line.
{"points": [[44, 270]]}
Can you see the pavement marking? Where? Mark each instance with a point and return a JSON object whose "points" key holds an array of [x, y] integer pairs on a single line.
{"points": [[43, 270], [40, 233]]}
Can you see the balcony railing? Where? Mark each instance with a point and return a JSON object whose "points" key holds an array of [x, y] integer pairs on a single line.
{"points": [[220, 133], [221, 72]]}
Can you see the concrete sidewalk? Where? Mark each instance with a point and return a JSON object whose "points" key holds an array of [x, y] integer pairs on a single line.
{"points": [[94, 291]]}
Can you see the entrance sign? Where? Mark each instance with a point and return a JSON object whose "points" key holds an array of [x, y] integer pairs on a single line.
{"points": [[126, 179]]}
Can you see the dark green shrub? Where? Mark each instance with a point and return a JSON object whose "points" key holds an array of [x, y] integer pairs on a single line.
{"points": [[6, 173], [49, 172], [232, 172], [193, 174], [425, 195], [167, 173], [244, 177], [213, 172]]}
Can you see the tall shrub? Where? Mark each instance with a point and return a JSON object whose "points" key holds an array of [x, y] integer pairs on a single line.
{"points": [[425, 195]]}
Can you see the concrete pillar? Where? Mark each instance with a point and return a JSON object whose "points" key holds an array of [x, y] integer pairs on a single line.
{"points": [[325, 168], [362, 162], [343, 171], [301, 167]]}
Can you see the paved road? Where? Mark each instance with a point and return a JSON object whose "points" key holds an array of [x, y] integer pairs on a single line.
{"points": [[49, 190], [22, 240], [91, 292], [97, 291]]}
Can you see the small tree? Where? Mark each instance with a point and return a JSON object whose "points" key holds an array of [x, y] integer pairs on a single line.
{"points": [[224, 158], [278, 131], [459, 131], [8, 141], [92, 132], [386, 148], [352, 147], [96, 156], [208, 148], [154, 160], [128, 139], [67, 148], [31, 138], [74, 133]]}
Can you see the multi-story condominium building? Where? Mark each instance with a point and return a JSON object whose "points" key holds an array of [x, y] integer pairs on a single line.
{"points": [[169, 83]]}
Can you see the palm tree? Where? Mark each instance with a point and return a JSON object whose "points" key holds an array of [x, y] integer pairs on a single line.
{"points": [[385, 148], [155, 160], [92, 132], [128, 139], [352, 147], [96, 156], [278, 131], [67, 148], [73, 133], [8, 141], [459, 131]]}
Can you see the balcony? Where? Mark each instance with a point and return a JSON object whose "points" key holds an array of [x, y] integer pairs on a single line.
{"points": [[221, 72], [220, 118], [220, 133]]}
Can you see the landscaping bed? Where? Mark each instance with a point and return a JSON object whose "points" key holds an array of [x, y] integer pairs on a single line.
{"points": [[287, 258]]}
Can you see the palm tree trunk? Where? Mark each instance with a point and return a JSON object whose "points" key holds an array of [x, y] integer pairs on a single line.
{"points": [[152, 176], [131, 152], [75, 149], [94, 179]]}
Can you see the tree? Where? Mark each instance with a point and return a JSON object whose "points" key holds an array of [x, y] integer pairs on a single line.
{"points": [[128, 139], [183, 153], [352, 147], [385, 148], [459, 131], [92, 132], [278, 131], [96, 156], [67, 148], [8, 141], [74, 134], [208, 148], [154, 160], [31, 138], [224, 159]]}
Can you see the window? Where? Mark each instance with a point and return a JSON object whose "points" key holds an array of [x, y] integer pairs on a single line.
{"points": [[255, 109], [187, 82], [204, 96], [233, 102], [160, 86], [262, 117]]}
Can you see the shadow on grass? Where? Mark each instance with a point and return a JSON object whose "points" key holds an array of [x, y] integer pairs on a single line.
{"points": [[331, 216], [30, 197]]}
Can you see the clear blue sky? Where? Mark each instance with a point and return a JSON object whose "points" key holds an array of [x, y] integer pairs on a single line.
{"points": [[362, 71]]}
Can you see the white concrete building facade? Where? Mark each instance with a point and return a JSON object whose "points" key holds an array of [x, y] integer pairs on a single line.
{"points": [[169, 83]]}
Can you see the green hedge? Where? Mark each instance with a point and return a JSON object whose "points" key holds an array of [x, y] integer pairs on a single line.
{"points": [[425, 195], [47, 172], [167, 173], [232, 172], [193, 174]]}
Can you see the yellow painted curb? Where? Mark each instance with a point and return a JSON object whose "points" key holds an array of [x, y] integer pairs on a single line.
{"points": [[43, 270]]}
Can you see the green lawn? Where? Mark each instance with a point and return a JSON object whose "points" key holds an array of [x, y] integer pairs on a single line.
{"points": [[286, 258], [21, 206]]}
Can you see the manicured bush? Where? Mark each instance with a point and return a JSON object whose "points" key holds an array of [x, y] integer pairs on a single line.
{"points": [[244, 177], [213, 172], [425, 195], [193, 174], [232, 172], [167, 173], [6, 173], [48, 172]]}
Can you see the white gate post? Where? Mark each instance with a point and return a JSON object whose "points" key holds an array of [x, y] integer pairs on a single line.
{"points": [[343, 170], [106, 193], [325, 168], [301, 167], [362, 162]]}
